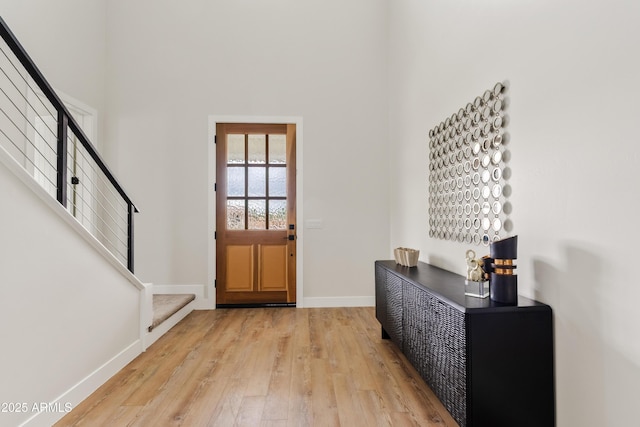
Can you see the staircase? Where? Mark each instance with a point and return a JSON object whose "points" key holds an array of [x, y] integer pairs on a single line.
{"points": [[38, 132], [66, 255]]}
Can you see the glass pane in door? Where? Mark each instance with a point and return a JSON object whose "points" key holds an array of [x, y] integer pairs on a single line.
{"points": [[277, 214], [235, 214], [277, 182], [277, 149], [257, 215], [257, 149], [235, 181], [235, 149], [257, 181]]}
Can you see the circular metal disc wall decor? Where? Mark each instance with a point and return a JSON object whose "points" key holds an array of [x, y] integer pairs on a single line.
{"points": [[466, 164]]}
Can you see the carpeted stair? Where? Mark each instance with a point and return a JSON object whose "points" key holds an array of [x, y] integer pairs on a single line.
{"points": [[165, 306]]}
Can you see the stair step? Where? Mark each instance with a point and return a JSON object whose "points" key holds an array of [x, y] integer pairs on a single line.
{"points": [[165, 306]]}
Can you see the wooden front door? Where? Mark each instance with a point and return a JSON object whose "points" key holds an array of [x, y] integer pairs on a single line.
{"points": [[255, 213]]}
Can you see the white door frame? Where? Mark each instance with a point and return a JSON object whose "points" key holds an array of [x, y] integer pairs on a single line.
{"points": [[213, 120]]}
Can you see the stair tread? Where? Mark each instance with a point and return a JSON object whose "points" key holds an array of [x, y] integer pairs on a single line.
{"points": [[166, 305]]}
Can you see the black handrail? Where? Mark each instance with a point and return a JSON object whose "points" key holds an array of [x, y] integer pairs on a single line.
{"points": [[65, 119]]}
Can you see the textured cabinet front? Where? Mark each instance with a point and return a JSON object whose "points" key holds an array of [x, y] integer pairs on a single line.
{"points": [[447, 371], [435, 344], [394, 308], [489, 364], [414, 327]]}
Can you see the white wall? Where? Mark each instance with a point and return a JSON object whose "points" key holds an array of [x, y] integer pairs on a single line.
{"points": [[68, 318], [65, 312], [572, 68], [67, 41], [172, 64]]}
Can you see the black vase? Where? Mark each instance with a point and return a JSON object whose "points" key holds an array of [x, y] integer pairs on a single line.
{"points": [[503, 287]]}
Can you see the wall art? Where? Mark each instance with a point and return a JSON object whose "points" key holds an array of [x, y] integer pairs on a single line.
{"points": [[468, 172]]}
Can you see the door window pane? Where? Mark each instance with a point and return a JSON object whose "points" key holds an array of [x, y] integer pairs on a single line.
{"points": [[257, 149], [235, 214], [257, 182], [277, 182], [235, 181], [257, 215], [277, 214], [256, 169], [235, 149], [277, 149]]}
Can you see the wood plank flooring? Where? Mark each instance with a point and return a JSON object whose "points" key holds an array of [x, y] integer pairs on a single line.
{"points": [[267, 367]]}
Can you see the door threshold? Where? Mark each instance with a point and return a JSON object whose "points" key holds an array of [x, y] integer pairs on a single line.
{"points": [[258, 305]]}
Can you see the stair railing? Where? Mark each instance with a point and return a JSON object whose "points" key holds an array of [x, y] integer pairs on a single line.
{"points": [[40, 132]]}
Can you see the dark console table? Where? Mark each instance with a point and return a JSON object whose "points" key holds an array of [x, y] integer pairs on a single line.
{"points": [[490, 364]]}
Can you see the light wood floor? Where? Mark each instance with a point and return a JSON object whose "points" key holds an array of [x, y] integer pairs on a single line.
{"points": [[267, 367]]}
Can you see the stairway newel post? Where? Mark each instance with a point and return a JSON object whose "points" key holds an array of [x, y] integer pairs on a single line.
{"points": [[61, 175], [131, 210]]}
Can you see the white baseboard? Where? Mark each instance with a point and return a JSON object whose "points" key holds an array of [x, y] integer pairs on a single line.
{"points": [[84, 388], [316, 302], [172, 321], [201, 303]]}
